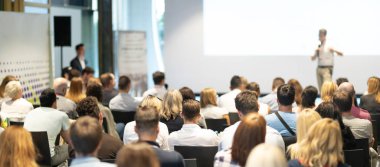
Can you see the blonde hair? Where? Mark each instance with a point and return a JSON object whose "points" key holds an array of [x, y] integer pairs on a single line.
{"points": [[327, 91], [75, 92], [208, 97], [306, 118], [13, 89], [323, 145], [16, 148], [153, 102], [266, 155], [172, 104], [374, 87]]}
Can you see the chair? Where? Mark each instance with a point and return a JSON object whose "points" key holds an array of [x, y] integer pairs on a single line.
{"points": [[111, 161], [234, 117], [41, 143], [16, 123], [358, 156], [216, 124], [376, 126], [204, 155], [36, 105], [121, 116], [105, 125], [190, 162]]}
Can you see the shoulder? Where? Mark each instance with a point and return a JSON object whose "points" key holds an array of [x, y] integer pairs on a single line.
{"points": [[110, 139], [270, 117], [166, 156], [294, 163]]}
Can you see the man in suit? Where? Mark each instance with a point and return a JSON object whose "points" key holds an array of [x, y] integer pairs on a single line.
{"points": [[147, 120], [79, 62]]}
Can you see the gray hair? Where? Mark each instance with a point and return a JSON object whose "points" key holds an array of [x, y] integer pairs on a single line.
{"points": [[13, 89], [60, 86]]}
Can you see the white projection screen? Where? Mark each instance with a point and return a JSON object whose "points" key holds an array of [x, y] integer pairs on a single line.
{"points": [[206, 48]]}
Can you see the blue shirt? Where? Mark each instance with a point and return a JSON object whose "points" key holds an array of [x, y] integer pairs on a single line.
{"points": [[289, 117]]}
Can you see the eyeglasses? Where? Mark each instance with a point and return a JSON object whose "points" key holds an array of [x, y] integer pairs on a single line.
{"points": [[155, 97]]}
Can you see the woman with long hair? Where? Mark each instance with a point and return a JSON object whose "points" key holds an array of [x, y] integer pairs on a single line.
{"points": [[171, 109], [298, 87], [327, 91], [16, 148], [209, 105], [76, 92], [371, 101]]}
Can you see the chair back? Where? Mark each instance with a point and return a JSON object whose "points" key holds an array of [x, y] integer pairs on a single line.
{"points": [[11, 123], [359, 155], [121, 116], [41, 143], [234, 117], [204, 155], [376, 126], [111, 161], [190, 162], [216, 124]]}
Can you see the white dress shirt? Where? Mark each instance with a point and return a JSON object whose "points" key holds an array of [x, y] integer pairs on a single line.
{"points": [[125, 102], [162, 139], [15, 110], [193, 135], [264, 109], [82, 61], [227, 100], [213, 112], [272, 137], [158, 91], [361, 128], [271, 100]]}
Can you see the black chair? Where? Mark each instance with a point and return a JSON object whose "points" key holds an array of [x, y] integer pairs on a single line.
{"points": [[11, 123], [216, 124], [375, 134], [358, 156], [111, 161], [36, 105], [41, 143], [121, 116], [234, 117], [190, 162], [203, 155], [376, 126], [105, 125]]}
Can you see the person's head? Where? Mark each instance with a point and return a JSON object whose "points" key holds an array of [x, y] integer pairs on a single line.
{"points": [[172, 104], [236, 82], [5, 81], [259, 156], [65, 73], [244, 82], [87, 73], [60, 86], [342, 101], [108, 80], [208, 97], [187, 93], [191, 111], [298, 88], [277, 82], [124, 83], [373, 85], [327, 90], [13, 90], [246, 102], [95, 90], [308, 96], [147, 119], [250, 132], [285, 95], [341, 80], [80, 49], [141, 154], [48, 98], [76, 86], [327, 110], [306, 118], [254, 86], [349, 88], [73, 74], [89, 107], [151, 102], [322, 34], [322, 145], [86, 135], [159, 78]]}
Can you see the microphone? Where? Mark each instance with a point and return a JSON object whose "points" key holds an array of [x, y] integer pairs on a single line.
{"points": [[319, 46]]}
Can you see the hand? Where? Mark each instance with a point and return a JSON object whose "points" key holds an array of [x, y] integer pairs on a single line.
{"points": [[313, 58]]}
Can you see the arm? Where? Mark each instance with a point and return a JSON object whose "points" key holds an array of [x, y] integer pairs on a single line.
{"points": [[339, 53], [227, 118], [315, 55], [66, 137]]}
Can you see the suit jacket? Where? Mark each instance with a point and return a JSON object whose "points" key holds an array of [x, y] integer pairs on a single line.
{"points": [[167, 158], [109, 147], [75, 64]]}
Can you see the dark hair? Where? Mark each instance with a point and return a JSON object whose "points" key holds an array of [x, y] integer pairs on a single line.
{"points": [[327, 110], [158, 77], [342, 101], [106, 79], [4, 83], [86, 135], [48, 97], [235, 82], [323, 31], [74, 73], [88, 107], [308, 96], [246, 102], [190, 109], [124, 82], [88, 70], [286, 94], [77, 47], [138, 154], [95, 90], [341, 80], [254, 86], [298, 89], [147, 119], [65, 70], [277, 82], [187, 93]]}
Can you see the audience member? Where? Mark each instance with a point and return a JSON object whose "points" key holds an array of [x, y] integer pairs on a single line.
{"points": [[327, 91], [47, 118], [259, 156], [227, 100], [308, 97], [371, 101], [246, 102], [250, 132], [137, 155], [64, 104], [130, 134], [147, 128], [322, 146], [187, 93], [263, 108], [159, 89], [79, 62], [271, 98], [244, 82], [14, 107], [191, 134], [284, 120], [171, 109], [76, 92], [209, 106], [87, 73], [109, 145], [341, 80], [355, 111], [86, 135], [4, 83], [109, 91], [124, 101], [74, 73], [16, 148], [65, 72], [298, 89]]}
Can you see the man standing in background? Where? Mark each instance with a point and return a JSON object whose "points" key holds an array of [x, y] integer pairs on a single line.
{"points": [[79, 62]]}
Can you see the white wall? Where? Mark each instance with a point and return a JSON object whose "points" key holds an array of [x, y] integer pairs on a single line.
{"points": [[185, 64]]}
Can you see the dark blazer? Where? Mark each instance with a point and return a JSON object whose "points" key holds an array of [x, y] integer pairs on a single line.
{"points": [[75, 64], [167, 158], [368, 102], [109, 147], [173, 124]]}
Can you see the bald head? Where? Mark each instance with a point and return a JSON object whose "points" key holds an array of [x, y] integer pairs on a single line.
{"points": [[347, 87], [60, 86]]}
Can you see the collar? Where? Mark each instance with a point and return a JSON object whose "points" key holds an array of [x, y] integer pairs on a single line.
{"points": [[152, 143], [84, 160]]}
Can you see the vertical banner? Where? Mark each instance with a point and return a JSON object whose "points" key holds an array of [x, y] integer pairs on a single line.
{"points": [[132, 59]]}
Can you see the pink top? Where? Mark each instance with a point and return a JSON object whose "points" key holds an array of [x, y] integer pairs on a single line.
{"points": [[360, 113]]}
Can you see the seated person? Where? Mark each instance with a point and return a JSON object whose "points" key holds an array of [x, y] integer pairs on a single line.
{"points": [[159, 89], [227, 101], [209, 106], [109, 91], [355, 111], [264, 108], [14, 107], [141, 154], [172, 107], [124, 101], [64, 104], [271, 98]]}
